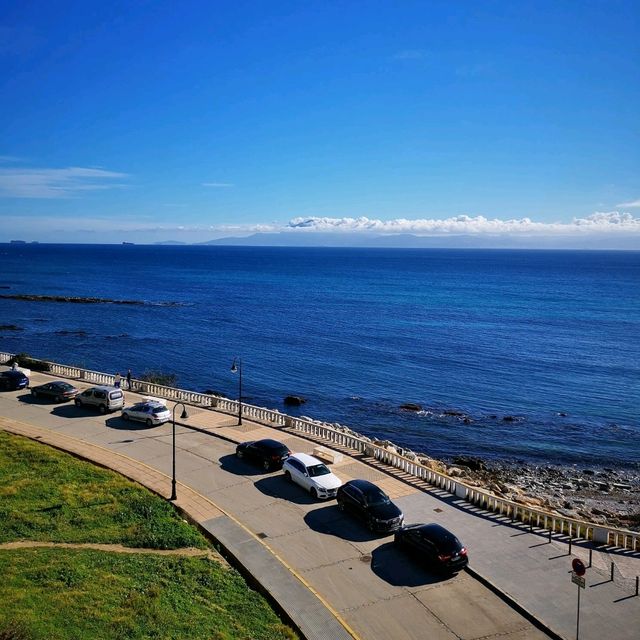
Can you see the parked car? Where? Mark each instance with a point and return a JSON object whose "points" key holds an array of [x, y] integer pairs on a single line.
{"points": [[59, 391], [13, 380], [268, 453], [370, 503], [311, 474], [104, 398], [151, 413], [434, 545]]}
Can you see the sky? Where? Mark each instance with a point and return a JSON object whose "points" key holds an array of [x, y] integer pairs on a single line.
{"points": [[489, 122]]}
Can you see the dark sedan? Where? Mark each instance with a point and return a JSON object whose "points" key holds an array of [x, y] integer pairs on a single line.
{"points": [[270, 454], [434, 545], [13, 380], [370, 503], [58, 391]]}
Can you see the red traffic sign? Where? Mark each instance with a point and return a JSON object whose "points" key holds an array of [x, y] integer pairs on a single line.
{"points": [[578, 567]]}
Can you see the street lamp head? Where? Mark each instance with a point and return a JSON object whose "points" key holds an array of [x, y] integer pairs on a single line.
{"points": [[234, 368], [184, 415]]}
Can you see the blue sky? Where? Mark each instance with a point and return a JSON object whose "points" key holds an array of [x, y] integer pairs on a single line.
{"points": [[190, 121]]}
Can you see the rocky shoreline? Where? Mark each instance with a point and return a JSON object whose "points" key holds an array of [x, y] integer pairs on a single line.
{"points": [[84, 300], [599, 495]]}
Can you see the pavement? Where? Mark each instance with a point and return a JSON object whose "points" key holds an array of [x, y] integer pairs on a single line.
{"points": [[332, 577]]}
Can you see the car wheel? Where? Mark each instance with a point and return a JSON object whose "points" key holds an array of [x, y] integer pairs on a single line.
{"points": [[370, 524], [149, 422], [57, 399], [266, 465], [287, 476], [78, 403], [34, 393], [125, 416], [102, 409], [314, 493], [240, 453], [341, 506]]}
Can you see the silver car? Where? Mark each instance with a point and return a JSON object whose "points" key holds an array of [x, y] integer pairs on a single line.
{"points": [[151, 413], [104, 398]]}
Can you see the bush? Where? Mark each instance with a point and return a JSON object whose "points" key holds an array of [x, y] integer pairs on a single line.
{"points": [[26, 361], [159, 377]]}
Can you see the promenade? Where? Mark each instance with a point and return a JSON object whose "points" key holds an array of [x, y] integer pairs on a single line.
{"points": [[334, 578]]}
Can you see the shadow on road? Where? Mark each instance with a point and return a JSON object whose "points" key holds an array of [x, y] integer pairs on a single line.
{"points": [[399, 569], [116, 422], [331, 521], [232, 464], [71, 411], [28, 398], [278, 487]]}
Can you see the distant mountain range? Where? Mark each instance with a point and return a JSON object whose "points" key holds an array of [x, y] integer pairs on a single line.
{"points": [[410, 241]]}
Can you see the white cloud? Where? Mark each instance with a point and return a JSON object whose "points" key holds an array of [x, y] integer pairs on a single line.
{"points": [[55, 183], [599, 222], [217, 185], [632, 204]]}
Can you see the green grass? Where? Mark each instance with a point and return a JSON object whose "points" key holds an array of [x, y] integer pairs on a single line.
{"points": [[59, 595], [78, 594], [47, 495]]}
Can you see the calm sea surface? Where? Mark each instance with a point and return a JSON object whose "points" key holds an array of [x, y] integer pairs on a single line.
{"points": [[549, 337]]}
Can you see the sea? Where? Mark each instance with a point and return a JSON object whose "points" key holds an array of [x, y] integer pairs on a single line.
{"points": [[515, 356]]}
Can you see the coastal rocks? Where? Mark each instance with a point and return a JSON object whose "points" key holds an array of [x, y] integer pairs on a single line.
{"points": [[455, 472], [411, 406], [431, 463], [294, 401], [83, 300], [10, 327], [473, 463]]}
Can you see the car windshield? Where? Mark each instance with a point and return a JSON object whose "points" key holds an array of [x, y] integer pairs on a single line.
{"points": [[376, 498], [318, 470]]}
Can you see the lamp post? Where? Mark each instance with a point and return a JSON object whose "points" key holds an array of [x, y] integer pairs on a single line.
{"points": [[238, 370], [183, 416]]}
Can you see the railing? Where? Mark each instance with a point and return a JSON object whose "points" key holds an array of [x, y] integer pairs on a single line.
{"points": [[481, 498]]}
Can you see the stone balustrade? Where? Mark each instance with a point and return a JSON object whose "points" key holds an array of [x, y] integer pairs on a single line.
{"points": [[481, 498]]}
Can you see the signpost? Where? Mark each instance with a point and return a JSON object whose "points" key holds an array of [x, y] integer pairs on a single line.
{"points": [[577, 577]]}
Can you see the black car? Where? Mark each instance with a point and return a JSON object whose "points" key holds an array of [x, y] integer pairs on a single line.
{"points": [[367, 501], [270, 454], [13, 380], [434, 545], [59, 391]]}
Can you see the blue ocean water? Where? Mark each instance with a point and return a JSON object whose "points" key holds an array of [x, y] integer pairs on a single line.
{"points": [[551, 338]]}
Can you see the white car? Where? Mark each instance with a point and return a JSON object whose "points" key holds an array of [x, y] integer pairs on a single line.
{"points": [[311, 474], [151, 413]]}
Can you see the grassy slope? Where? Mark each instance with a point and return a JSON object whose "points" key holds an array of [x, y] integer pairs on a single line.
{"points": [[47, 495]]}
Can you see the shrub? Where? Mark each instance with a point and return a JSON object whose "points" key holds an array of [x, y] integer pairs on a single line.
{"points": [[159, 377], [26, 361]]}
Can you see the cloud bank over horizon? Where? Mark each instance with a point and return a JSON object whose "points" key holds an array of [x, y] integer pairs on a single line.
{"points": [[598, 222]]}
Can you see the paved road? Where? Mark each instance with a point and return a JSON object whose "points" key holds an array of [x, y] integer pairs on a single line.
{"points": [[365, 579]]}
